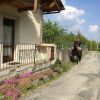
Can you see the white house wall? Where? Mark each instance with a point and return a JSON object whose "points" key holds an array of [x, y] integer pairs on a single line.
{"points": [[28, 27], [29, 24], [28, 30]]}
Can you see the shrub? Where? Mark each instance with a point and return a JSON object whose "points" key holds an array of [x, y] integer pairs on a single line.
{"points": [[24, 84], [9, 90], [35, 84], [12, 93], [5, 87], [57, 62], [57, 67]]}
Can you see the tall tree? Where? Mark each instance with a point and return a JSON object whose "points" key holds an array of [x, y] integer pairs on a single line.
{"points": [[53, 33]]}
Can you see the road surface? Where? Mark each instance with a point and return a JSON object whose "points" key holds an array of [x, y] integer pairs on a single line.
{"points": [[81, 83]]}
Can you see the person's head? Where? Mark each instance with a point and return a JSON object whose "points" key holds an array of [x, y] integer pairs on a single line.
{"points": [[78, 39]]}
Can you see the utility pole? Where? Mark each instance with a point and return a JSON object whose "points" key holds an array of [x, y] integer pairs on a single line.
{"points": [[91, 46], [97, 46], [98, 39]]}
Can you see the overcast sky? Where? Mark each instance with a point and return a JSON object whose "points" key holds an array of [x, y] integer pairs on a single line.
{"points": [[82, 14]]}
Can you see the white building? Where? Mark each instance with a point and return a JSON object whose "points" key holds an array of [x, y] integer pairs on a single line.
{"points": [[21, 31]]}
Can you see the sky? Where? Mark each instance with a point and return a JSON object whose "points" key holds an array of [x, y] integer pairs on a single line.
{"points": [[79, 14]]}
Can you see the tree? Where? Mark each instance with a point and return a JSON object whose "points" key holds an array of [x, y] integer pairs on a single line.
{"points": [[53, 33]]}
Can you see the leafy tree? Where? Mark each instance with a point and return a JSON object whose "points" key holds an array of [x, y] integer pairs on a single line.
{"points": [[53, 33]]}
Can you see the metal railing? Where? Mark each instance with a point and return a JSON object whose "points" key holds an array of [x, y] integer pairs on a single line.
{"points": [[17, 55]]}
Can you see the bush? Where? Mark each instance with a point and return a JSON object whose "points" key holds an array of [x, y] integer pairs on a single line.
{"points": [[57, 62], [24, 84], [57, 66], [58, 69]]}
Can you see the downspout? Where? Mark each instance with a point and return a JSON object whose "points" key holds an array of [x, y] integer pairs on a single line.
{"points": [[35, 6]]}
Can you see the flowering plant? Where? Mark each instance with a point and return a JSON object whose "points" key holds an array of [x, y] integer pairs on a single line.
{"points": [[11, 80], [12, 87], [9, 90], [29, 74], [13, 93], [24, 84]]}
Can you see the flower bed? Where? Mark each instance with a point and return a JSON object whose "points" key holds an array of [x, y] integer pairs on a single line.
{"points": [[12, 88], [9, 90]]}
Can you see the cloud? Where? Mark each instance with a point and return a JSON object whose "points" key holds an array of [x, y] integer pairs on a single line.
{"points": [[81, 21], [71, 13], [70, 18], [93, 28]]}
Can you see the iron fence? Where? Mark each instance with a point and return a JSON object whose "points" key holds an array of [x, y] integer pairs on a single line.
{"points": [[16, 55]]}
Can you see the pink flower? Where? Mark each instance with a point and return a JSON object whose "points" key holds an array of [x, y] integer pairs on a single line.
{"points": [[26, 75], [13, 93], [10, 80]]}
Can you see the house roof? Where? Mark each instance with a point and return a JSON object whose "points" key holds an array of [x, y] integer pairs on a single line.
{"points": [[52, 6], [47, 6]]}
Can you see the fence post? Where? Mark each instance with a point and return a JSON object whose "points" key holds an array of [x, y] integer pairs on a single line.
{"points": [[34, 53]]}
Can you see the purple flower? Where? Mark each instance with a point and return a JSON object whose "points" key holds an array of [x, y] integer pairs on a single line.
{"points": [[26, 75], [10, 80]]}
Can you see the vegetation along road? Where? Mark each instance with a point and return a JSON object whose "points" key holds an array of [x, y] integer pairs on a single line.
{"points": [[81, 83]]}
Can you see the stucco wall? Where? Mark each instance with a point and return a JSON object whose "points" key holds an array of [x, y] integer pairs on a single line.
{"points": [[28, 31], [28, 26]]}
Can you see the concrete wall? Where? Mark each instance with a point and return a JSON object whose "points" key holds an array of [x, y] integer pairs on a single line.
{"points": [[63, 55], [44, 53]]}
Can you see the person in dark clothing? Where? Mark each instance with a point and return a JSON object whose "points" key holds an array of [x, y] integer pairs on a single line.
{"points": [[77, 44], [77, 50]]}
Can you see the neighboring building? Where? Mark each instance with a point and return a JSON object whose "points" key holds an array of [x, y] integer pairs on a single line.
{"points": [[21, 31]]}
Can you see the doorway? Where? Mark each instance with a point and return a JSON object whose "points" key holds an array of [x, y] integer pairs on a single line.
{"points": [[8, 39]]}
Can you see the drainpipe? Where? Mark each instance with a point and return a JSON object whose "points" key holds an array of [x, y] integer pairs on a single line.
{"points": [[35, 6]]}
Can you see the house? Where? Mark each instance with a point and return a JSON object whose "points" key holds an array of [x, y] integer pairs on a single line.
{"points": [[21, 31]]}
